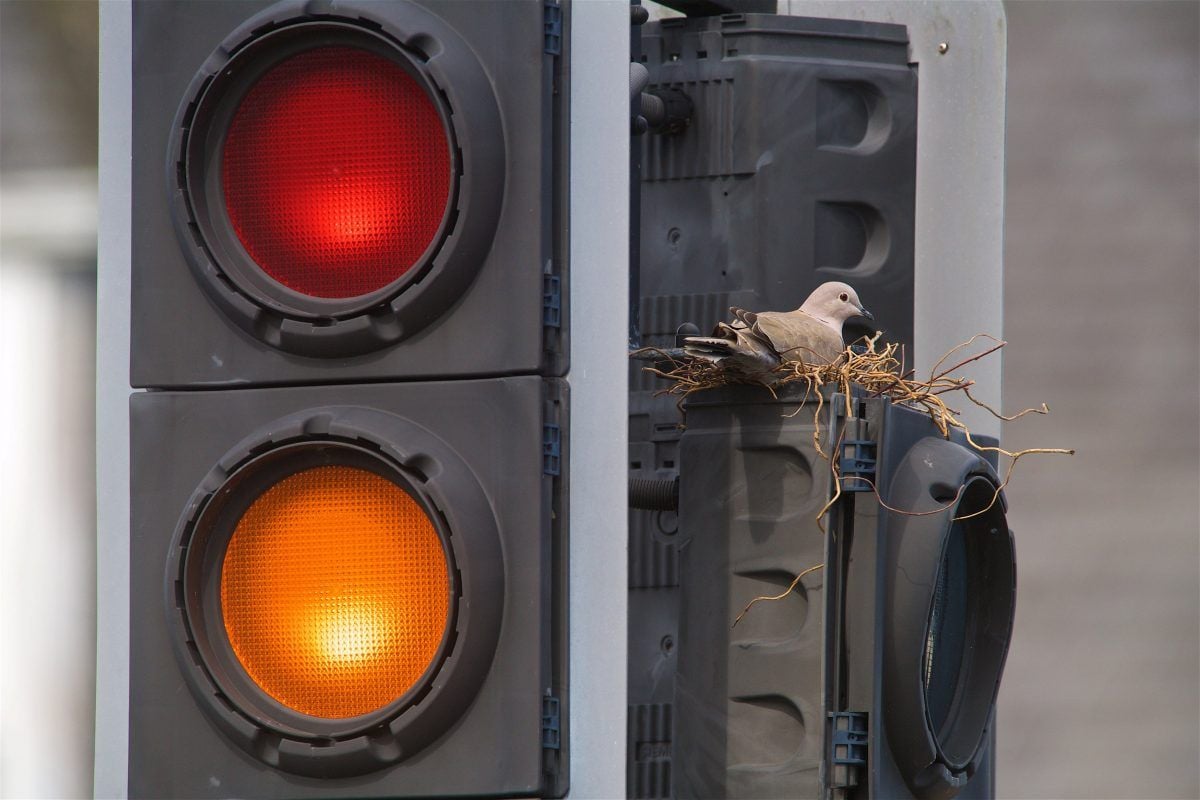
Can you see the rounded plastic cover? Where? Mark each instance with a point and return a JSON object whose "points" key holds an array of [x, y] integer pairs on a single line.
{"points": [[949, 605]]}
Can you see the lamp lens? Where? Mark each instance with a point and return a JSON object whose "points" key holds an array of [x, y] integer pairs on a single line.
{"points": [[335, 591], [336, 172]]}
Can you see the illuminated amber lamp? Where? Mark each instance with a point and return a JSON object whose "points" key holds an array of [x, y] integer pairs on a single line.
{"points": [[335, 591], [320, 588]]}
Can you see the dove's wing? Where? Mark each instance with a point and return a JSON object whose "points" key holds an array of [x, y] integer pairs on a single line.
{"points": [[738, 349], [753, 344], [742, 318], [797, 336]]}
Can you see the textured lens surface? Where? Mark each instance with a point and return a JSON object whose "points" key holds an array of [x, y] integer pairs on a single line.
{"points": [[336, 172], [947, 643], [335, 591]]}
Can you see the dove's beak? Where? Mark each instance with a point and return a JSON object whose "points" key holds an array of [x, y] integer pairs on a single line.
{"points": [[862, 312]]}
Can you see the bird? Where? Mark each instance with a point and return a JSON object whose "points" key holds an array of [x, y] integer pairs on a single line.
{"points": [[755, 343]]}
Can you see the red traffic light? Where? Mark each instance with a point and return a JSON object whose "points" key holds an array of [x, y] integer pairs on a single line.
{"points": [[337, 184], [336, 172]]}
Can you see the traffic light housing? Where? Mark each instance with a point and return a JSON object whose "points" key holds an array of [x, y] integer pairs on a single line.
{"points": [[796, 163], [222, 89], [199, 709], [796, 167], [873, 675], [349, 467]]}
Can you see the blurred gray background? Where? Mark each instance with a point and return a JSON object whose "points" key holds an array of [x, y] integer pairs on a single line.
{"points": [[48, 91], [1102, 312], [1102, 291]]}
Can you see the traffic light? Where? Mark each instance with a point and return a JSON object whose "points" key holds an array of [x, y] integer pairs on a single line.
{"points": [[876, 675], [349, 463], [793, 162]]}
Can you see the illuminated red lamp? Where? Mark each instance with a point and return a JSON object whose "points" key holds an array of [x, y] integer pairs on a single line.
{"points": [[336, 172]]}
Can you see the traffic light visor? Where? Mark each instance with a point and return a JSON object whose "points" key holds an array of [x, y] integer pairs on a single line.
{"points": [[950, 598], [335, 591], [335, 172]]}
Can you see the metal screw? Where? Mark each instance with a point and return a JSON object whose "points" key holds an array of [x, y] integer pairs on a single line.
{"points": [[943, 47]]}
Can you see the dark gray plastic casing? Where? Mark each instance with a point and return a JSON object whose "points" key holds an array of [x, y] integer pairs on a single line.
{"points": [[798, 167], [751, 700], [495, 746], [181, 337]]}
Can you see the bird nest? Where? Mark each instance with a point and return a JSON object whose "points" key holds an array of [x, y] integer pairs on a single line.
{"points": [[879, 370]]}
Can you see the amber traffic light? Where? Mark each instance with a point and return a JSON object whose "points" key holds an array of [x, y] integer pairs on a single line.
{"points": [[335, 591]]}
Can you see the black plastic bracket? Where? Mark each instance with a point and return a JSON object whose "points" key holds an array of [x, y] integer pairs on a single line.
{"points": [[712, 8]]}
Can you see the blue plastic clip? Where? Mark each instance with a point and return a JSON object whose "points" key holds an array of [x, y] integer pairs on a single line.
{"points": [[857, 461], [552, 25], [551, 449], [551, 731]]}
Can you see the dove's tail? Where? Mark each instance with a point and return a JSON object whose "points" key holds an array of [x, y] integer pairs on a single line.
{"points": [[739, 356], [709, 348]]}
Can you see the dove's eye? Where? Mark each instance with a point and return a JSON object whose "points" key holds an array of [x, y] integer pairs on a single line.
{"points": [[843, 297]]}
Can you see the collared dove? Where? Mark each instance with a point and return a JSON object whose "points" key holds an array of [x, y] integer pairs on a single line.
{"points": [[755, 343]]}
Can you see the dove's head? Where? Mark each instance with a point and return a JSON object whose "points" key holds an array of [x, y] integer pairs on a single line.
{"points": [[835, 302]]}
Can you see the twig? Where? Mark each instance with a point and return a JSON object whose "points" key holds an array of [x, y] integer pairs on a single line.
{"points": [[962, 364], [958, 347], [784, 594]]}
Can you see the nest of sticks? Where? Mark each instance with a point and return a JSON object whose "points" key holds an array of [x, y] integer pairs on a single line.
{"points": [[880, 371]]}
